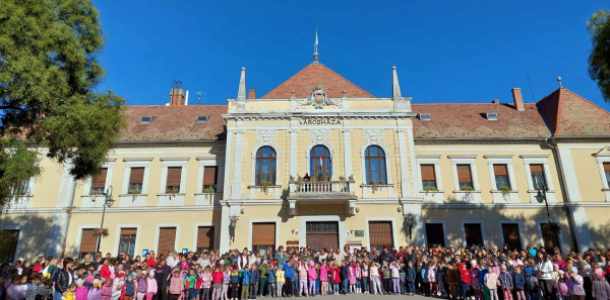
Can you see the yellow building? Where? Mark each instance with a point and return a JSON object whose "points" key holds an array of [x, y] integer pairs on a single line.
{"points": [[320, 162]]}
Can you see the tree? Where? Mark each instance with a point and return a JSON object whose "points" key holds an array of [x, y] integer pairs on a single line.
{"points": [[48, 72], [599, 61]]}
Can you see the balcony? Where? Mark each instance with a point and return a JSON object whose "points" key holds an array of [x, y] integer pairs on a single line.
{"points": [[314, 193]]}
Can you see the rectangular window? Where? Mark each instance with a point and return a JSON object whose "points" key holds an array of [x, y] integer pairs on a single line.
{"points": [[209, 179], [428, 178], [88, 241], [502, 178], [473, 235], [8, 247], [538, 177], [172, 184], [465, 177], [22, 188], [512, 237], [607, 172], [167, 240], [98, 182], [127, 241], [435, 234], [136, 180], [205, 238]]}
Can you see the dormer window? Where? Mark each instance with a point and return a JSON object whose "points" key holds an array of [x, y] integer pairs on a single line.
{"points": [[491, 115], [424, 116], [202, 119], [146, 119]]}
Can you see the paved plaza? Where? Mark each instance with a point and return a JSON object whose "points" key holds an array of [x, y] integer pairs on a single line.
{"points": [[359, 297]]}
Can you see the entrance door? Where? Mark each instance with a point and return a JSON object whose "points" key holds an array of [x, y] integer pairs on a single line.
{"points": [[435, 235], [473, 234], [8, 247], [322, 235], [512, 239], [380, 235], [550, 235]]}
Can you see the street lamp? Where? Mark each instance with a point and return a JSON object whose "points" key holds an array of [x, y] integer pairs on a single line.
{"points": [[409, 223], [108, 201], [541, 191]]}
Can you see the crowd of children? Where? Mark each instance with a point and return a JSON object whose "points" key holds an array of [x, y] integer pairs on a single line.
{"points": [[476, 273]]}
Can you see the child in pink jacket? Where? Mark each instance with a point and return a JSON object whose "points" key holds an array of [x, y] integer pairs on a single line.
{"points": [[151, 285]]}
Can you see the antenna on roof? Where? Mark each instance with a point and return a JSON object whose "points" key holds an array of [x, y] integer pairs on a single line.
{"points": [[560, 81], [316, 54]]}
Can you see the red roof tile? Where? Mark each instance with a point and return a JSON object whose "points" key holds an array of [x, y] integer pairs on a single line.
{"points": [[468, 121], [301, 84], [570, 115], [173, 123]]}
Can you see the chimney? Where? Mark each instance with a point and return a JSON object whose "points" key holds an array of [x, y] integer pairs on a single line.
{"points": [[177, 95], [518, 99], [252, 94]]}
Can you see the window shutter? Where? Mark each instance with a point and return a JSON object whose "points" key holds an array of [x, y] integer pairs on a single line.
{"points": [[137, 175], [427, 173], [263, 234], [209, 176], [173, 176], [607, 167], [167, 240], [98, 182], [464, 173], [537, 169], [501, 170], [88, 241], [205, 237]]}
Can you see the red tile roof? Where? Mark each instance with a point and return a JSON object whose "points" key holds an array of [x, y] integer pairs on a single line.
{"points": [[468, 121], [301, 84], [570, 115], [173, 123]]}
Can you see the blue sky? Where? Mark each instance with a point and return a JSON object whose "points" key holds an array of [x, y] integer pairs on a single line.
{"points": [[446, 51]]}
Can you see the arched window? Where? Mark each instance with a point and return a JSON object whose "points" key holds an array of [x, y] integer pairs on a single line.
{"points": [[374, 159], [320, 163], [265, 166]]}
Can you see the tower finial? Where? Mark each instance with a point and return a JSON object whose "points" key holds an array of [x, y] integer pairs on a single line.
{"points": [[396, 94], [560, 81], [241, 91], [316, 54]]}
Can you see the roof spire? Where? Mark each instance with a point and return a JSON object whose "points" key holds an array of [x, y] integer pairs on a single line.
{"points": [[396, 95], [241, 92], [316, 54]]}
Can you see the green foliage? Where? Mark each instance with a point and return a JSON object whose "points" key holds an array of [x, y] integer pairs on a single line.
{"points": [[599, 61], [48, 72]]}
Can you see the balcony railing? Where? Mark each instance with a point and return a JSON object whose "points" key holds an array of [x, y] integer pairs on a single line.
{"points": [[320, 187]]}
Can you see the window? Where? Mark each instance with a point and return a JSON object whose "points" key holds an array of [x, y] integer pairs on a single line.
{"points": [[435, 234], [375, 165], [146, 119], [127, 241], [320, 163], [607, 173], [202, 119], [22, 188], [491, 116], [136, 180], [425, 116], [512, 238], [538, 177], [8, 247], [502, 178], [465, 177], [473, 235], [98, 182], [167, 240], [88, 241], [265, 166], [172, 184], [209, 179], [205, 238], [428, 177]]}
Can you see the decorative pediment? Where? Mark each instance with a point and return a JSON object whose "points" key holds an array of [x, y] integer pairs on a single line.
{"points": [[603, 152]]}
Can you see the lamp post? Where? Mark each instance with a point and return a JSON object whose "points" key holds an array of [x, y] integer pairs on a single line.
{"points": [[410, 222], [108, 201], [541, 191]]}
